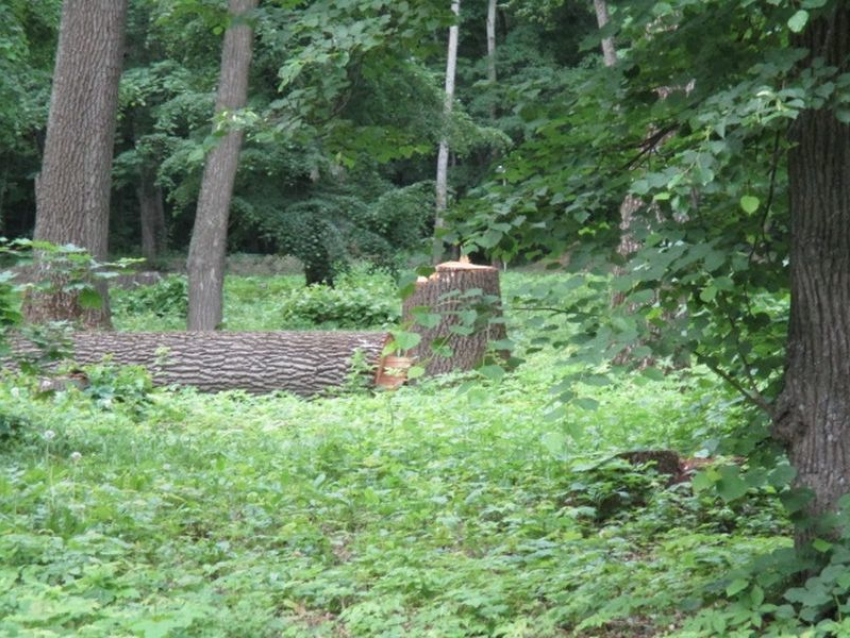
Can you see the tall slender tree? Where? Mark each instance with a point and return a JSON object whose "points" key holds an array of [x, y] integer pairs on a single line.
{"points": [[73, 188], [207, 249], [443, 153]]}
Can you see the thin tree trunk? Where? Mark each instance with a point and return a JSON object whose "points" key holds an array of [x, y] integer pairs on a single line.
{"points": [[151, 214], [609, 53], [73, 189], [209, 238], [491, 41], [443, 153], [812, 416]]}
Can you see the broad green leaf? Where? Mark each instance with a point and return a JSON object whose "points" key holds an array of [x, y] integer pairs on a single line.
{"points": [[708, 294], [798, 21], [736, 587], [750, 204]]}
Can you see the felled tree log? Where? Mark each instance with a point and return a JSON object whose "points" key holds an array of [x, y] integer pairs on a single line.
{"points": [[468, 299], [304, 363]]}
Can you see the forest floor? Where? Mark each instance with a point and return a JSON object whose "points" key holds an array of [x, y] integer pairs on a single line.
{"points": [[460, 507]]}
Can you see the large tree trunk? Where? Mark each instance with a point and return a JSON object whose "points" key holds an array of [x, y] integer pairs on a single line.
{"points": [[152, 215], [469, 320], [304, 363], [442, 188], [209, 237], [73, 189], [812, 416]]}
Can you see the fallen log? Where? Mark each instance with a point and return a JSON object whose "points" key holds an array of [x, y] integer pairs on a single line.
{"points": [[305, 363]]}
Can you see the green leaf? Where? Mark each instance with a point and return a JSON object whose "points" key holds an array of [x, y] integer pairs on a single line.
{"points": [[821, 545], [750, 204], [736, 587], [708, 294], [415, 372], [554, 442], [89, 299], [798, 21], [494, 373]]}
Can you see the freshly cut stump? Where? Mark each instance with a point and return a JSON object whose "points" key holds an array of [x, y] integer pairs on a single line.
{"points": [[304, 363], [468, 299]]}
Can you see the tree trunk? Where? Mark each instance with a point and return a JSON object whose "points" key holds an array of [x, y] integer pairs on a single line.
{"points": [[73, 189], [152, 215], [491, 46], [304, 363], [609, 53], [469, 320], [209, 238], [442, 188], [812, 415]]}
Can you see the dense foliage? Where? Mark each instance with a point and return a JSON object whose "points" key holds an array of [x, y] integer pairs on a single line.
{"points": [[433, 511]]}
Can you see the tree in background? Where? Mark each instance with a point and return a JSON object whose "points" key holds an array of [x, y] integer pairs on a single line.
{"points": [[73, 188], [443, 153], [27, 50], [209, 238]]}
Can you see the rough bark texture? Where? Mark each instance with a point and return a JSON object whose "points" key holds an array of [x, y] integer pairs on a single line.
{"points": [[73, 188], [812, 416], [209, 237], [304, 363], [444, 293], [152, 215], [442, 188]]}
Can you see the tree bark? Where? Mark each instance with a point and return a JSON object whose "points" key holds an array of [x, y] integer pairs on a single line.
{"points": [[209, 238], [442, 188], [73, 189], [812, 414], [609, 53], [491, 41], [152, 215], [451, 292], [304, 363]]}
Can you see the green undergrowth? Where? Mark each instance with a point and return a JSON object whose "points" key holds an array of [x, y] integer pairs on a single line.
{"points": [[461, 507], [360, 300], [426, 512]]}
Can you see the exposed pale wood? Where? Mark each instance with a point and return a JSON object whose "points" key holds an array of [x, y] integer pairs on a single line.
{"points": [[304, 363]]}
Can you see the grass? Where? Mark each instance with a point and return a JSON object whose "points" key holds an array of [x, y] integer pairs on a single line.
{"points": [[456, 508]]}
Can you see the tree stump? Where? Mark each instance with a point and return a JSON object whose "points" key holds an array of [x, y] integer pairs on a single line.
{"points": [[467, 299], [304, 363]]}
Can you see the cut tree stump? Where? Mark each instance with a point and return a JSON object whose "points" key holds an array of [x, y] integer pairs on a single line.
{"points": [[304, 363], [468, 299]]}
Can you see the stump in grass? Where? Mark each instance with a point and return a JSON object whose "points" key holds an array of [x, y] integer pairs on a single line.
{"points": [[459, 308]]}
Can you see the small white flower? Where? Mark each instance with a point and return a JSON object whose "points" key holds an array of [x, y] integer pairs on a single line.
{"points": [[49, 435], [15, 392], [76, 456]]}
